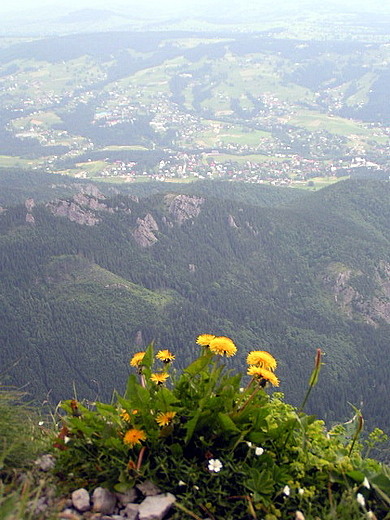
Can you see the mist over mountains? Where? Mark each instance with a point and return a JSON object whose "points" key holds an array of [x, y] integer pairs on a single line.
{"points": [[52, 18]]}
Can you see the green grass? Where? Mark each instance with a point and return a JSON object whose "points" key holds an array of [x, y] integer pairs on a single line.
{"points": [[46, 120], [20, 433], [92, 167], [318, 183], [85, 272], [114, 148], [315, 121], [11, 161]]}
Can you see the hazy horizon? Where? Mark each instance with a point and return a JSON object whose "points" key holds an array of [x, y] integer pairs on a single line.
{"points": [[179, 6]]}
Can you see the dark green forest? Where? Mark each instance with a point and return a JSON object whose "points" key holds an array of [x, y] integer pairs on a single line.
{"points": [[275, 269]]}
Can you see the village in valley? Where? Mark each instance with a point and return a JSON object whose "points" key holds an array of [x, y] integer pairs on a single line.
{"points": [[173, 123]]}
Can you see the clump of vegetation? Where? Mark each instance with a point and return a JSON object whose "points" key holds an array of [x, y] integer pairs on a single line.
{"points": [[20, 433], [23, 437], [225, 450]]}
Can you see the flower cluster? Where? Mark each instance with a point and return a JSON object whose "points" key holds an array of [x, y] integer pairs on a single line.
{"points": [[136, 360], [202, 433], [261, 366], [220, 345], [134, 436]]}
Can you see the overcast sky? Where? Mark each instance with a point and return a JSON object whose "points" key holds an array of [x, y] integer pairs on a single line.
{"points": [[25, 5]]}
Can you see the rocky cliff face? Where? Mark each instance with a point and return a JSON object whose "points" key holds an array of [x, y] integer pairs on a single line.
{"points": [[232, 222], [184, 207], [72, 211], [372, 305], [30, 204], [144, 233], [82, 208]]}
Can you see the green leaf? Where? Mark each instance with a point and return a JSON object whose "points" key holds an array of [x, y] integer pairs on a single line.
{"points": [[191, 425], [148, 358], [164, 398], [198, 365], [260, 482], [124, 486], [356, 475], [132, 383], [381, 483], [226, 423], [106, 410], [259, 418]]}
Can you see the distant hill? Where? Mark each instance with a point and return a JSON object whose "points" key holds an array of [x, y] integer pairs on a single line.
{"points": [[87, 15], [87, 280]]}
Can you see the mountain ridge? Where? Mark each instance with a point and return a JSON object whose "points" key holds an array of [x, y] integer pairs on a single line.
{"points": [[284, 277]]}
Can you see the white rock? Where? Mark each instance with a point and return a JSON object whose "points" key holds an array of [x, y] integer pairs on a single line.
{"points": [[45, 462], [68, 514], [80, 500], [103, 501], [131, 511], [155, 507]]}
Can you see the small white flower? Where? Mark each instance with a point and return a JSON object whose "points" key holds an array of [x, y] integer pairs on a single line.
{"points": [[66, 439], [41, 423], [286, 490], [242, 390], [360, 500], [365, 483], [215, 465], [181, 483], [249, 444], [196, 488], [301, 491], [259, 451]]}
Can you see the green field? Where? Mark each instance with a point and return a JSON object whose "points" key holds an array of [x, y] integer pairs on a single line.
{"points": [[10, 161], [315, 121], [317, 183], [114, 148], [91, 168]]}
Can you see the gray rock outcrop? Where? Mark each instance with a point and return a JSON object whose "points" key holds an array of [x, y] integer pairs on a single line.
{"points": [[184, 207], [72, 211], [144, 233]]}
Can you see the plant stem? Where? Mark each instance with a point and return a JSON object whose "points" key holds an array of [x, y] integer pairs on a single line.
{"points": [[305, 400], [237, 411], [187, 511], [358, 430]]}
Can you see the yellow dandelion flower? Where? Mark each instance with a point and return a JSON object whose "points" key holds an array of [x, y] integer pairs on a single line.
{"points": [[136, 360], [261, 358], [165, 418], [165, 356], [263, 373], [133, 437], [223, 346], [204, 339], [126, 416], [159, 378]]}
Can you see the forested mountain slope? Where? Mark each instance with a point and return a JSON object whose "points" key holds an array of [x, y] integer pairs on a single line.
{"points": [[87, 281]]}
